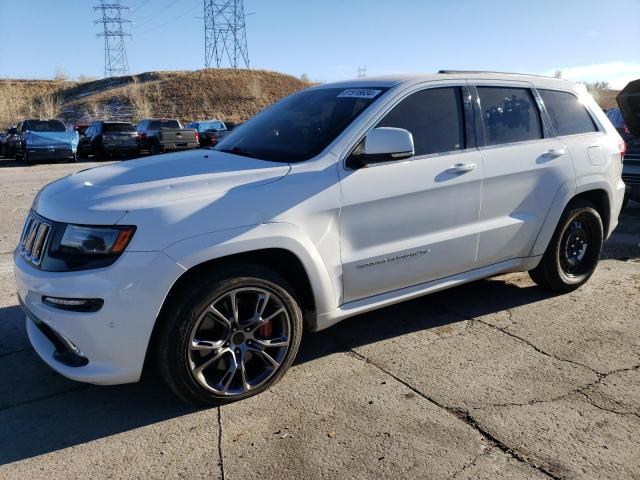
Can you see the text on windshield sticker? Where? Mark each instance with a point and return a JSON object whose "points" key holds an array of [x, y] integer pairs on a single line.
{"points": [[359, 93]]}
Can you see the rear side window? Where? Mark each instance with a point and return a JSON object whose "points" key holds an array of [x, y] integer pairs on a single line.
{"points": [[434, 117], [568, 115], [509, 115]]}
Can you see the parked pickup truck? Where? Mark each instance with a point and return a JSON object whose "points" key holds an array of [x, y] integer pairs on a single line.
{"points": [[161, 135]]}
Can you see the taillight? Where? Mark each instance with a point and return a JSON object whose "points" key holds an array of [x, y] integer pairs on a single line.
{"points": [[625, 129], [623, 149], [143, 136], [196, 135]]}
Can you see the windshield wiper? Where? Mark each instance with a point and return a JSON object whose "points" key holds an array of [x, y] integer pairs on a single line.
{"points": [[239, 151]]}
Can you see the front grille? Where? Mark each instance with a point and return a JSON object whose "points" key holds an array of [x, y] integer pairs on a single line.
{"points": [[631, 178], [33, 240]]}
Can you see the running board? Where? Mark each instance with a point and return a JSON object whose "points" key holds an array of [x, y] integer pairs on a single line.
{"points": [[397, 296]]}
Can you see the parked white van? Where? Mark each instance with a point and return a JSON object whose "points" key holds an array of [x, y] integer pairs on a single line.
{"points": [[337, 200]]}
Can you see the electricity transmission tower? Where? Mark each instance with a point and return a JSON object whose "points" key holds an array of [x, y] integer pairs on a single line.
{"points": [[225, 35], [362, 72], [115, 53]]}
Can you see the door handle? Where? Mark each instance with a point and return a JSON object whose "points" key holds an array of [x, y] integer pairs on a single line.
{"points": [[462, 168], [553, 153]]}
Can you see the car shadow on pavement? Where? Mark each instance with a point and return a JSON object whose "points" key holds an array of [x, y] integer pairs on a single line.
{"points": [[448, 307], [41, 412]]}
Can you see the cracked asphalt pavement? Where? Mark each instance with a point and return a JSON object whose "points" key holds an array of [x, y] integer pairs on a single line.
{"points": [[497, 379]]}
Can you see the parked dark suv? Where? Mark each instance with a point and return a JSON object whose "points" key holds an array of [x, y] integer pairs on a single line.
{"points": [[626, 119], [109, 139]]}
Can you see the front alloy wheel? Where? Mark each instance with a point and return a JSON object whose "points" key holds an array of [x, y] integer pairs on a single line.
{"points": [[228, 335], [239, 341]]}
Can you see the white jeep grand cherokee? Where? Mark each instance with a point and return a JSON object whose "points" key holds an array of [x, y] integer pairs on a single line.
{"points": [[337, 200]]}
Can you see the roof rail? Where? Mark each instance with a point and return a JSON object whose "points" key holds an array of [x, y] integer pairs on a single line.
{"points": [[490, 71]]}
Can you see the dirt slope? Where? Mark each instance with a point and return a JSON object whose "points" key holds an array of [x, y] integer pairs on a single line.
{"points": [[233, 95]]}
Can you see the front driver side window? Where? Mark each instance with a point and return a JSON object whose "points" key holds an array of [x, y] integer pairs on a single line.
{"points": [[434, 117]]}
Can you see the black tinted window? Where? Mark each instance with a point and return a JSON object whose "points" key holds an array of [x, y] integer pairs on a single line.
{"points": [[117, 127], [300, 126], [568, 115], [434, 117], [43, 126], [509, 115]]}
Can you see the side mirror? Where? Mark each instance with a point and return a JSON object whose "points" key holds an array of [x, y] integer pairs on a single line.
{"points": [[383, 144]]}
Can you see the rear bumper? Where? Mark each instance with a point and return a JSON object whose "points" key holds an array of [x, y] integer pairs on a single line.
{"points": [[168, 146], [120, 149]]}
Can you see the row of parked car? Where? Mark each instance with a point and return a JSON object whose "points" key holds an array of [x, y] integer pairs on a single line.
{"points": [[34, 140]]}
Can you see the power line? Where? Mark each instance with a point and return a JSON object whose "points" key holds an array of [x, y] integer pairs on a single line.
{"points": [[225, 35], [115, 53]]}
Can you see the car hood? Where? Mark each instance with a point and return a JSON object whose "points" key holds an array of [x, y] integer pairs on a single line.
{"points": [[103, 195], [629, 102]]}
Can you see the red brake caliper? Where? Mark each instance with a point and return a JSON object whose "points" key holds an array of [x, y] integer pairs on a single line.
{"points": [[266, 330]]}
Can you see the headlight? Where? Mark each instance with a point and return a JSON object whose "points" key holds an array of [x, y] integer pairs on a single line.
{"points": [[89, 241]]}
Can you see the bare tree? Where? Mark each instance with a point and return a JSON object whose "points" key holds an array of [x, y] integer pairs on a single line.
{"points": [[557, 74], [48, 106], [597, 89], [140, 99]]}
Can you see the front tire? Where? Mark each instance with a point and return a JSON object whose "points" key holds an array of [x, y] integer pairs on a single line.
{"points": [[230, 336], [574, 250]]}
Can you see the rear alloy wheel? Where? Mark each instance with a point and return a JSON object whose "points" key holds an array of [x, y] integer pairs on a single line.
{"points": [[231, 338], [574, 250]]}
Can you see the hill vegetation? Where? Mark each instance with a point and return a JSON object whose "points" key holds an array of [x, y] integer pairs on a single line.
{"points": [[231, 95]]}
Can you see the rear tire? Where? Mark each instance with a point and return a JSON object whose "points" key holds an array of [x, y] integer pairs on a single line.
{"points": [[208, 355], [574, 250], [26, 159], [156, 149]]}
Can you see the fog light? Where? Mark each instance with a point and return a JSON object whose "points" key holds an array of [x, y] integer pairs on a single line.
{"points": [[74, 304]]}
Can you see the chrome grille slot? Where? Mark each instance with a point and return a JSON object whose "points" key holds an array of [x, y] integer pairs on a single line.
{"points": [[30, 238], [38, 243], [33, 240]]}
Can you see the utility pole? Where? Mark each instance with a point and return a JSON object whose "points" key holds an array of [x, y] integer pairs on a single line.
{"points": [[115, 53], [225, 34]]}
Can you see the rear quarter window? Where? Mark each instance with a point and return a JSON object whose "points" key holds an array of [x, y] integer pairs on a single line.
{"points": [[568, 115]]}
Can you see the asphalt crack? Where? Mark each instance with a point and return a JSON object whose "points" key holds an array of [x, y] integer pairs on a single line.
{"points": [[464, 416], [593, 403], [220, 454], [535, 347]]}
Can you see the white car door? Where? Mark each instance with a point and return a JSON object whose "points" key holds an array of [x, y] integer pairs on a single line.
{"points": [[524, 167], [406, 222]]}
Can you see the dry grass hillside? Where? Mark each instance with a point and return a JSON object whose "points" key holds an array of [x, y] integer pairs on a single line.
{"points": [[232, 95]]}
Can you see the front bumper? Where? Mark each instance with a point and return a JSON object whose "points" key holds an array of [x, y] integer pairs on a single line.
{"points": [[49, 154], [114, 339]]}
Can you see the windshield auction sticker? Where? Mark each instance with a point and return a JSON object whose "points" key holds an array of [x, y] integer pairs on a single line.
{"points": [[359, 93]]}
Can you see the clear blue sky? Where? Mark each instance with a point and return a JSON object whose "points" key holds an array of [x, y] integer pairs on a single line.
{"points": [[329, 39]]}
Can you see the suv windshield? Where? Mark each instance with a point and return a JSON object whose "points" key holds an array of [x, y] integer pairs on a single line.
{"points": [[43, 126], [300, 126], [117, 127]]}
